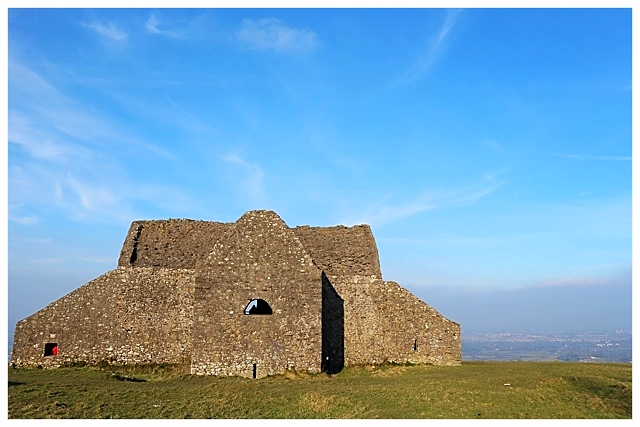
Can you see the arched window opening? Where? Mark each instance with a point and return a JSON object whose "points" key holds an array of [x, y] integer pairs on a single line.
{"points": [[51, 349], [258, 306]]}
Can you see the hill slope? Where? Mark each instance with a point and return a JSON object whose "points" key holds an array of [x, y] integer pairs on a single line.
{"points": [[473, 390]]}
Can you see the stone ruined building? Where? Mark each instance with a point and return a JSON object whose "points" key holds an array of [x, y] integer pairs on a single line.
{"points": [[250, 298]]}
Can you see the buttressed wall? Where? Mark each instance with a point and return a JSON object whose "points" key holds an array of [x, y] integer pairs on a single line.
{"points": [[250, 298]]}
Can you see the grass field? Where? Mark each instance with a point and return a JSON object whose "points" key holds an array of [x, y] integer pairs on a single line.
{"points": [[473, 390]]}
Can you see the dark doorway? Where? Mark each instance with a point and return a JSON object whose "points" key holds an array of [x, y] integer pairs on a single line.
{"points": [[258, 306], [332, 329], [51, 349]]}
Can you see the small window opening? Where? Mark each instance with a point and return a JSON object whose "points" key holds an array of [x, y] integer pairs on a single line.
{"points": [[415, 344], [258, 306], [255, 370], [51, 349]]}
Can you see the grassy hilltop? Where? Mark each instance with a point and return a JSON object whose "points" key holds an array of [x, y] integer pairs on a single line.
{"points": [[473, 390]]}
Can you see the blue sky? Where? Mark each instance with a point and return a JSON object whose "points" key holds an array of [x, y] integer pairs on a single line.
{"points": [[489, 149]]}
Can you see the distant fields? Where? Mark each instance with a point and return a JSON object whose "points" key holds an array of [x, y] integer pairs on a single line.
{"points": [[473, 390], [610, 347]]}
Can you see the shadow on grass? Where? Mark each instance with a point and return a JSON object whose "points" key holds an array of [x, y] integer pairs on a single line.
{"points": [[127, 378], [615, 395]]}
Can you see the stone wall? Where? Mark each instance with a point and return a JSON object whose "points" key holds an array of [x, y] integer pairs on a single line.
{"points": [[342, 250], [257, 257], [174, 243], [128, 315], [386, 323]]}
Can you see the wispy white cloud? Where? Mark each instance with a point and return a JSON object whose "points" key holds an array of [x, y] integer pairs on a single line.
{"points": [[472, 196], [24, 220], [103, 194], [270, 33], [595, 158], [571, 281], [25, 78], [188, 121], [492, 176], [388, 214], [39, 143], [109, 30], [153, 26], [52, 124], [39, 110], [70, 159], [45, 260], [434, 49], [250, 177], [378, 215], [76, 193], [93, 198]]}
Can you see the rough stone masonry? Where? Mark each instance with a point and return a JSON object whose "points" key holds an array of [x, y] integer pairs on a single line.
{"points": [[251, 298]]}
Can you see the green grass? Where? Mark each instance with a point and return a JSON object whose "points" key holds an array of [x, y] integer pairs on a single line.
{"points": [[473, 390]]}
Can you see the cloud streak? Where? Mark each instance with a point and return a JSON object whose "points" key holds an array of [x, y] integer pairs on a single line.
{"points": [[271, 34], [109, 30], [38, 109], [250, 177], [24, 220], [594, 158], [387, 214], [68, 158], [433, 51], [571, 281], [153, 26], [40, 144]]}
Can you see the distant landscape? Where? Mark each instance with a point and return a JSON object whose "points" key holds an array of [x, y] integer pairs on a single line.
{"points": [[613, 346]]}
